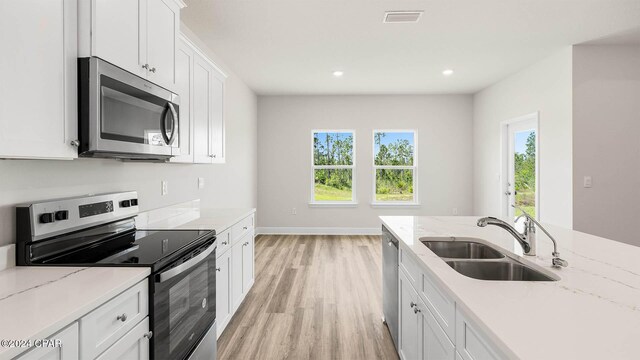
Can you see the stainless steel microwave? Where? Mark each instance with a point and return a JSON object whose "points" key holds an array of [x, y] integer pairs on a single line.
{"points": [[124, 116]]}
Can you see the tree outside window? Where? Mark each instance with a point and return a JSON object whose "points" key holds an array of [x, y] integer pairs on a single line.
{"points": [[333, 166], [394, 166]]}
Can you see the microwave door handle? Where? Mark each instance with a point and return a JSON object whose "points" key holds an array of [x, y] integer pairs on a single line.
{"points": [[163, 128], [173, 272]]}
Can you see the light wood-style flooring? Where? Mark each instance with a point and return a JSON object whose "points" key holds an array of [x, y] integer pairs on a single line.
{"points": [[314, 297]]}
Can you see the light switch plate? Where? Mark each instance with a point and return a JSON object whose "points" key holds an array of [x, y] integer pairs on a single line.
{"points": [[200, 183], [165, 187], [587, 182]]}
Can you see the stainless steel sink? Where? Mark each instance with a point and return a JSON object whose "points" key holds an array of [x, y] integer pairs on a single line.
{"points": [[498, 270], [462, 249]]}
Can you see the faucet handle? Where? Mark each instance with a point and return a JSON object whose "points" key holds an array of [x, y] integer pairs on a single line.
{"points": [[557, 262]]}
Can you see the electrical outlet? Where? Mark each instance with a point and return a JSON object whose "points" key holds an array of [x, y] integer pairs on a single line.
{"points": [[165, 187], [454, 211], [294, 211], [200, 183]]}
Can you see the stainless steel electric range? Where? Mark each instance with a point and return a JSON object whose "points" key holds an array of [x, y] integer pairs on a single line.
{"points": [[99, 230]]}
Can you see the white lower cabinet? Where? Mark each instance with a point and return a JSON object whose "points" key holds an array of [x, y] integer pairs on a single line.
{"points": [[235, 270], [68, 349], [409, 334], [431, 326], [117, 329], [134, 345]]}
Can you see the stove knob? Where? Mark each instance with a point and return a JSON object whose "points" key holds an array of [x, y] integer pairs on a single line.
{"points": [[125, 203], [47, 218], [62, 215], [134, 202]]}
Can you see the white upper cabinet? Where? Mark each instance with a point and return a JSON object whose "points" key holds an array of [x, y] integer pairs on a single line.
{"points": [[139, 36], [200, 85], [38, 72]]}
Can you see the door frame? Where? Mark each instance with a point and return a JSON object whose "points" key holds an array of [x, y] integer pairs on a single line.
{"points": [[504, 160]]}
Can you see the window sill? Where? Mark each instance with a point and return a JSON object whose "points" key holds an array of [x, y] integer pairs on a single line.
{"points": [[395, 205], [328, 204]]}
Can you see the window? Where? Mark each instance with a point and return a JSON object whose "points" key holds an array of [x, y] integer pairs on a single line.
{"points": [[333, 166], [394, 166]]}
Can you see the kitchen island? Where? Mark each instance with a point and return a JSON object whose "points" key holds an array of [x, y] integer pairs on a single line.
{"points": [[591, 311]]}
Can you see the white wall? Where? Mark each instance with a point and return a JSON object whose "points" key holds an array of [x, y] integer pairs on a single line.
{"points": [[544, 87], [606, 140], [284, 152], [227, 185]]}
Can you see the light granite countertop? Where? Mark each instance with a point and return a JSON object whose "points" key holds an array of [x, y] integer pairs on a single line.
{"points": [[591, 312], [37, 302]]}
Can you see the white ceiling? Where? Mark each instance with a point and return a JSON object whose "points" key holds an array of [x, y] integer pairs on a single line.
{"points": [[293, 46]]}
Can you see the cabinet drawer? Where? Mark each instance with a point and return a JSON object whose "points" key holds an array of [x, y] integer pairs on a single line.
{"points": [[224, 242], [411, 268], [239, 229], [104, 326], [470, 344], [133, 345], [442, 307]]}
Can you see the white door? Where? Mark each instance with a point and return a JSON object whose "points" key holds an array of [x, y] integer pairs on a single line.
{"points": [[202, 75], [134, 345], [435, 342], [184, 88], [38, 79], [118, 33], [236, 275], [520, 178], [162, 30], [247, 262], [409, 337], [223, 291], [216, 149], [68, 349]]}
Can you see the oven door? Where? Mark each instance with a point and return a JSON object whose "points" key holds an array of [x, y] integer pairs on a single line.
{"points": [[184, 304], [128, 115]]}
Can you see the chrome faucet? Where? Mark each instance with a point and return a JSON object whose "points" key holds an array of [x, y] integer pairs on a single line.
{"points": [[527, 239], [522, 239]]}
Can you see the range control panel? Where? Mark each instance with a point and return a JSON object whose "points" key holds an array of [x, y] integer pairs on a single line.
{"points": [[49, 218]]}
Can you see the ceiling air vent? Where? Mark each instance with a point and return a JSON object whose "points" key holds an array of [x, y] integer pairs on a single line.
{"points": [[402, 16]]}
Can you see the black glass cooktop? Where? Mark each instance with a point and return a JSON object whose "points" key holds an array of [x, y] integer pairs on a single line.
{"points": [[154, 248]]}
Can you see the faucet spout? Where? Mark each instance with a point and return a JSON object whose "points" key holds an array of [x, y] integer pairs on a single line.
{"points": [[522, 239]]}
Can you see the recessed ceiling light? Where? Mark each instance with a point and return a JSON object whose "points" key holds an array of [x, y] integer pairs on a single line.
{"points": [[447, 72], [404, 16], [338, 73]]}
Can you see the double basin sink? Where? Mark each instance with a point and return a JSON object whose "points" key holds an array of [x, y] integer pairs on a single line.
{"points": [[480, 261]]}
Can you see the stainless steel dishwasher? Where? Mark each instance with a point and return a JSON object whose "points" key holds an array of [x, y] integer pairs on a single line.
{"points": [[390, 283]]}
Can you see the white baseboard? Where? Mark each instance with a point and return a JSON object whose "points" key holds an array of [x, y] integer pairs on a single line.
{"points": [[316, 231]]}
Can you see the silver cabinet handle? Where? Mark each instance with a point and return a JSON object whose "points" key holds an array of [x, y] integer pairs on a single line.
{"points": [[507, 192], [217, 269], [416, 310], [145, 66], [148, 335], [122, 317], [413, 304], [390, 243], [75, 143], [153, 70], [212, 156], [224, 243], [244, 228]]}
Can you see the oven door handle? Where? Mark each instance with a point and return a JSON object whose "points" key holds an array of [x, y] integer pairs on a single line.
{"points": [[164, 276], [163, 127]]}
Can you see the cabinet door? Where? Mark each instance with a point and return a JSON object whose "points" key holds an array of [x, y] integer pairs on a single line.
{"points": [[67, 351], [118, 33], [134, 345], [163, 22], [236, 275], [410, 322], [38, 72], [223, 291], [247, 262], [435, 342], [202, 75], [216, 142], [184, 88]]}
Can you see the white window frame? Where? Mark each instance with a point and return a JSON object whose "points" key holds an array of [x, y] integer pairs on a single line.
{"points": [[346, 203], [412, 203]]}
